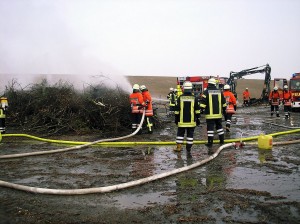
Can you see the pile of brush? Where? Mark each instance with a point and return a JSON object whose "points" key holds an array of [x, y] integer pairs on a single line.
{"points": [[60, 109]]}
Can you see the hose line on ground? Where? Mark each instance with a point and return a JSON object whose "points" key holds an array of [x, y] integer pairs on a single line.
{"points": [[104, 142], [86, 145], [283, 126], [123, 185]]}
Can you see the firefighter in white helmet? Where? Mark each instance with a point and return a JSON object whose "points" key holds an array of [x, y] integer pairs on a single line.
{"points": [[149, 110], [231, 106], [172, 98], [3, 109], [214, 104], [274, 100], [187, 116], [287, 101], [136, 103]]}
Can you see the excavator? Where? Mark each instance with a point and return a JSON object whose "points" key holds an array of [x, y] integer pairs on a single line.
{"points": [[264, 98]]}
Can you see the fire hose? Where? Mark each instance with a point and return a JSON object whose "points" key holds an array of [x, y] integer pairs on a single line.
{"points": [[128, 184]]}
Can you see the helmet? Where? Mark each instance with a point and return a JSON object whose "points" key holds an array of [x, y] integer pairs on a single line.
{"points": [[187, 85], [171, 89], [285, 87], [246, 88], [226, 87], [136, 87], [212, 81], [143, 87], [275, 88]]}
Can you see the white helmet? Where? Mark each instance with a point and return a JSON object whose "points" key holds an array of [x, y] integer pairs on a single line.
{"points": [[247, 88], [275, 88], [212, 81], [136, 87], [226, 86], [187, 85], [143, 87], [285, 87], [171, 89]]}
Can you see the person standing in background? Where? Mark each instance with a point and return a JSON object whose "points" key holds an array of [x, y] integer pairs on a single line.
{"points": [[246, 97]]}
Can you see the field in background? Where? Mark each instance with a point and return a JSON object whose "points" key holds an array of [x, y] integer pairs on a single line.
{"points": [[159, 85]]}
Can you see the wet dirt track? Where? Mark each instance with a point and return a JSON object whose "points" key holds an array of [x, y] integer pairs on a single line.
{"points": [[239, 186]]}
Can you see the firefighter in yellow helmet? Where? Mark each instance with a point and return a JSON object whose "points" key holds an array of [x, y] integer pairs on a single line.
{"points": [[187, 113], [3, 109], [214, 104], [136, 103]]}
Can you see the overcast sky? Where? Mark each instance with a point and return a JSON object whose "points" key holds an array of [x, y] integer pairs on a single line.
{"points": [[149, 37]]}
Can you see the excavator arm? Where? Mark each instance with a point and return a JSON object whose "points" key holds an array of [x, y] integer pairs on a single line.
{"points": [[234, 76]]}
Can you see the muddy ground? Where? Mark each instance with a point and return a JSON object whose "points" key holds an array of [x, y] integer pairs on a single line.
{"points": [[239, 186]]}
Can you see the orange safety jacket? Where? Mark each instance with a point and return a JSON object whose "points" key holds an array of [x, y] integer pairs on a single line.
{"points": [[230, 101], [274, 97], [148, 100], [246, 95], [287, 98], [136, 101]]}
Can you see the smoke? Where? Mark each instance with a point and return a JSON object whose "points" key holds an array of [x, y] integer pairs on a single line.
{"points": [[38, 38]]}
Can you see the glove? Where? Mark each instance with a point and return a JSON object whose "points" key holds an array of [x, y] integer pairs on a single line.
{"points": [[234, 107], [270, 102], [198, 122]]}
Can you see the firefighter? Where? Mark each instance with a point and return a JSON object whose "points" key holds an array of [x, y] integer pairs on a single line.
{"points": [[246, 97], [171, 97], [137, 103], [231, 106], [214, 105], [286, 101], [3, 109], [274, 100], [149, 110], [187, 112]]}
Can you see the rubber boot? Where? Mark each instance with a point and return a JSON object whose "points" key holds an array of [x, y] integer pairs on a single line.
{"points": [[221, 137], [188, 148], [227, 128], [178, 147], [210, 142]]}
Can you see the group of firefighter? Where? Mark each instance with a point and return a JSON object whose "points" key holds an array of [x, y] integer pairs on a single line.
{"points": [[275, 99], [215, 104]]}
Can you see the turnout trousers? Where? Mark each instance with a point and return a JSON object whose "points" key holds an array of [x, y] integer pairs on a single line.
{"points": [[211, 123], [189, 136]]}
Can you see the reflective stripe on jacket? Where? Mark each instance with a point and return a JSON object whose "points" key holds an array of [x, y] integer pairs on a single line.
{"points": [[187, 109], [287, 98], [230, 101], [136, 100], [213, 103], [148, 99], [274, 97]]}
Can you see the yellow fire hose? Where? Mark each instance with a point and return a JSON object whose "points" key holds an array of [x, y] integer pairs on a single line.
{"points": [[82, 146], [123, 185]]}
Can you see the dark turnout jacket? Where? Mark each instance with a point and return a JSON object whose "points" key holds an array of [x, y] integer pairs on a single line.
{"points": [[187, 110], [213, 103]]}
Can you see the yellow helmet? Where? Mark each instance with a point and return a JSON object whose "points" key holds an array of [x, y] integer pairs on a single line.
{"points": [[136, 87], [212, 81]]}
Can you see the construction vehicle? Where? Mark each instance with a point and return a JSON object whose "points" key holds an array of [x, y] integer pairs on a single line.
{"points": [[264, 98], [295, 90]]}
